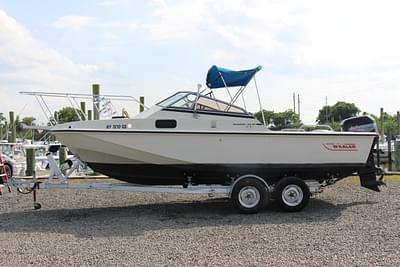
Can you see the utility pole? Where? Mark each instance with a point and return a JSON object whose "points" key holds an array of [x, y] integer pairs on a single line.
{"points": [[382, 130], [294, 102], [326, 109], [298, 104]]}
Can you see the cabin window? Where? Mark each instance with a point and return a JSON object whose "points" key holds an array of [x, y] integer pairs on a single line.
{"points": [[165, 123]]}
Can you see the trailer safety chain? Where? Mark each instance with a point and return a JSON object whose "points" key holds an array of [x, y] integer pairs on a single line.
{"points": [[33, 189], [29, 190]]}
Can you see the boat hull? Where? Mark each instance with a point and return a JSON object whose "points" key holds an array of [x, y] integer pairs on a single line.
{"points": [[217, 157], [180, 174]]}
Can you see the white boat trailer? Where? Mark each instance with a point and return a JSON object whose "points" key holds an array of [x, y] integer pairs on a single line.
{"points": [[245, 197]]}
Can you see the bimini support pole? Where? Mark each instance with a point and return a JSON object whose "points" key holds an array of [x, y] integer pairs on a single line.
{"points": [[244, 103], [259, 101], [226, 86]]}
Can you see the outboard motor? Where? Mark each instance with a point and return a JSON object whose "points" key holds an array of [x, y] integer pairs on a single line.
{"points": [[359, 124], [368, 174]]}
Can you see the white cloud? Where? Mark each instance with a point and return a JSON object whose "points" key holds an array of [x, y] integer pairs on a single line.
{"points": [[80, 23], [21, 52], [183, 20], [305, 46], [339, 33], [74, 23], [108, 3], [28, 65]]}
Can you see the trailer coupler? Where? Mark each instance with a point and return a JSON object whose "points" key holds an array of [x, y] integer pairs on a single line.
{"points": [[372, 178]]}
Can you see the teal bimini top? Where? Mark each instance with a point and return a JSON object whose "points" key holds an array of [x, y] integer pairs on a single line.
{"points": [[218, 77]]}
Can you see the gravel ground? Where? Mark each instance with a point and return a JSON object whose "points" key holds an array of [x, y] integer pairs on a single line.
{"points": [[344, 226]]}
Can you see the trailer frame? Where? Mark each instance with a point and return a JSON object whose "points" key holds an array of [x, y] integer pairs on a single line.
{"points": [[247, 192]]}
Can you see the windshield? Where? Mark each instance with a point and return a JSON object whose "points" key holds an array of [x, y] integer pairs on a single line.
{"points": [[172, 99], [186, 100]]}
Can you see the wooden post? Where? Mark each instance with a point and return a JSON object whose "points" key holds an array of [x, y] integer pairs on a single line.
{"points": [[83, 108], [96, 106], [389, 144], [12, 137], [397, 154], [30, 162], [141, 108], [89, 114], [62, 155], [398, 122]]}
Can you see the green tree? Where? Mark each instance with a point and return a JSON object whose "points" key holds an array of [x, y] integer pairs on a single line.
{"points": [[30, 121], [389, 123], [268, 115], [336, 113], [21, 132], [68, 114], [2, 118], [18, 125], [280, 120], [3, 122]]}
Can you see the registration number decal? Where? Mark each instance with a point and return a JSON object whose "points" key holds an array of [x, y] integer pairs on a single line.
{"points": [[116, 126]]}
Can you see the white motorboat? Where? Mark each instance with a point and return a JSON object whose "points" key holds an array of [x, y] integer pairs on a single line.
{"points": [[193, 137]]}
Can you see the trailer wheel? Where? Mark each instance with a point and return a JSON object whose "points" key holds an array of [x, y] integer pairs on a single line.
{"points": [[249, 195], [292, 194]]}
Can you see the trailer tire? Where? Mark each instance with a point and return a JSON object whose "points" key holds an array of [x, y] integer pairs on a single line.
{"points": [[249, 195], [292, 194]]}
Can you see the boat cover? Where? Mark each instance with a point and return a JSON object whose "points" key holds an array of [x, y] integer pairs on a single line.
{"points": [[220, 77]]}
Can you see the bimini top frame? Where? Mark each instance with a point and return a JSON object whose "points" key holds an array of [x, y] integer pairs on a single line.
{"points": [[218, 77], [102, 103]]}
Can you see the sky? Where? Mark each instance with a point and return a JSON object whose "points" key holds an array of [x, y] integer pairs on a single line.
{"points": [[321, 50]]}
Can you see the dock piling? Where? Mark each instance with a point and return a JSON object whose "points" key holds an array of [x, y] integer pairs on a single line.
{"points": [[96, 105], [141, 107], [12, 138], [30, 161]]}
